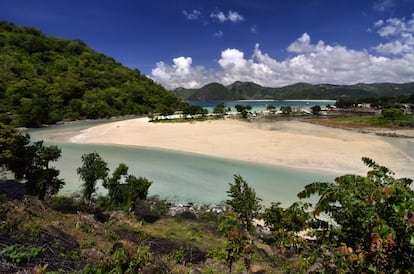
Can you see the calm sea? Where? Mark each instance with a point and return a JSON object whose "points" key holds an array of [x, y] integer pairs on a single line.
{"points": [[261, 105]]}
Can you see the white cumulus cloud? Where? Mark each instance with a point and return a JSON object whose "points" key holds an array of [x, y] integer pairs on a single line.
{"points": [[180, 74], [232, 16], [312, 62], [399, 34]]}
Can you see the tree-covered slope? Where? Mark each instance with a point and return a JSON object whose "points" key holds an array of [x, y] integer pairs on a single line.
{"points": [[304, 91], [45, 79]]}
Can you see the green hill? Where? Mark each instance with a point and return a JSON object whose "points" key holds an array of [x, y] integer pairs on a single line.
{"points": [[304, 91], [46, 79]]}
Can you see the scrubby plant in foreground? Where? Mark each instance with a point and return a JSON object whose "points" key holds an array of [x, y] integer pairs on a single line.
{"points": [[370, 222]]}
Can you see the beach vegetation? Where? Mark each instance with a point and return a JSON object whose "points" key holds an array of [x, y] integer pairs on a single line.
{"points": [[93, 168], [363, 223], [220, 109], [194, 110], [243, 110], [316, 109], [393, 114], [30, 161], [237, 242], [243, 201], [286, 109]]}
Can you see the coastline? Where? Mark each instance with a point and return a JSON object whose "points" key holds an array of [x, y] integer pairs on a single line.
{"points": [[287, 144]]}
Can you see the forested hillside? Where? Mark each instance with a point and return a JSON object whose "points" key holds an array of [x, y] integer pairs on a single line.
{"points": [[47, 79], [302, 91]]}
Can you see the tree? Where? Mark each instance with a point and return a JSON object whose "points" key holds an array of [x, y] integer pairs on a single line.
{"points": [[393, 114], [286, 109], [316, 109], [243, 110], [93, 168], [286, 223], [115, 193], [30, 162], [237, 241], [194, 110], [270, 107], [46, 178], [243, 201], [14, 151], [130, 191], [137, 189], [220, 109], [370, 224]]}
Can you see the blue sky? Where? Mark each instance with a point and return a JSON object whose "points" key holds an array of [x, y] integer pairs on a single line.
{"points": [[189, 43]]}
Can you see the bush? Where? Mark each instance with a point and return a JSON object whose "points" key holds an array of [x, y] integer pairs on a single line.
{"points": [[21, 254], [393, 114], [65, 204]]}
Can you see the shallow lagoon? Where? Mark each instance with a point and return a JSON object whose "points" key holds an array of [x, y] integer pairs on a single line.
{"points": [[188, 177], [182, 177]]}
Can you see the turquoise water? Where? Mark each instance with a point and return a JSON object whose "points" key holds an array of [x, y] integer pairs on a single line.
{"points": [[188, 177], [261, 105], [185, 177]]}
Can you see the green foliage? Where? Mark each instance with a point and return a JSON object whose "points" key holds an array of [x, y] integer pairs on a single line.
{"points": [[122, 262], [294, 218], [137, 189], [46, 79], [220, 109], [179, 255], [65, 204], [243, 201], [369, 223], [30, 161], [93, 168], [237, 241], [194, 110], [286, 109], [393, 114], [243, 110], [21, 254], [316, 109], [126, 193]]}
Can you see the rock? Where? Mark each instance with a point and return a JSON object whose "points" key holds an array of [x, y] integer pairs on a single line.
{"points": [[195, 271], [55, 234], [117, 215], [265, 250], [92, 255]]}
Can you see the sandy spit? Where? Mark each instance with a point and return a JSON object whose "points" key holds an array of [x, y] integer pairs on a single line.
{"points": [[289, 143]]}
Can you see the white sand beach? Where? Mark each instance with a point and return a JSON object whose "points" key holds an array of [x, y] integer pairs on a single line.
{"points": [[289, 143]]}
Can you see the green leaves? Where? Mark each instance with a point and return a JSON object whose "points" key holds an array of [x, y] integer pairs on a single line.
{"points": [[42, 75], [21, 254], [243, 201], [371, 215], [93, 168]]}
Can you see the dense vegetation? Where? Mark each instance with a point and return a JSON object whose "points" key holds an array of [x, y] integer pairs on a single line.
{"points": [[47, 79], [247, 90], [359, 224]]}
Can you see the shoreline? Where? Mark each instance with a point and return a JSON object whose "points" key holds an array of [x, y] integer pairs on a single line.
{"points": [[291, 144]]}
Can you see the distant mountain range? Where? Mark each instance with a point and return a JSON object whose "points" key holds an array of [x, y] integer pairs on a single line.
{"points": [[304, 91]]}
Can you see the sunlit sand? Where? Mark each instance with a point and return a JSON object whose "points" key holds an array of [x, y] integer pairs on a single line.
{"points": [[290, 144]]}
